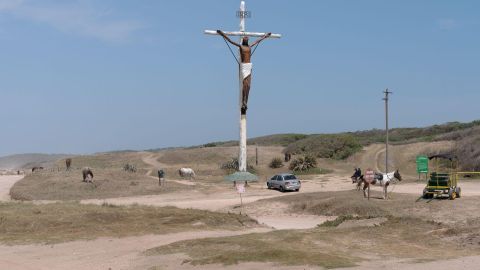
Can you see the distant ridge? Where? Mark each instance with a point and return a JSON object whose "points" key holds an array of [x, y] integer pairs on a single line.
{"points": [[23, 161]]}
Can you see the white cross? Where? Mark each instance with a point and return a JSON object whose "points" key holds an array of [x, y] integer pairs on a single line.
{"points": [[242, 157]]}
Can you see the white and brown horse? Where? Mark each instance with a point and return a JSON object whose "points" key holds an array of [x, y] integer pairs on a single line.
{"points": [[382, 180]]}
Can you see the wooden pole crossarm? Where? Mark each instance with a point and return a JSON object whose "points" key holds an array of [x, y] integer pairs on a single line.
{"points": [[242, 34]]}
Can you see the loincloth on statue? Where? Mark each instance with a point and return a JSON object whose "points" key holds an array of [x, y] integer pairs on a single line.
{"points": [[245, 70]]}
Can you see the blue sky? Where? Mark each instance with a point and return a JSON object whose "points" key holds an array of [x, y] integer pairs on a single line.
{"points": [[90, 76]]}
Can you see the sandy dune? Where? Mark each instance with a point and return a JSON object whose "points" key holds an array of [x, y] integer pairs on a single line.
{"points": [[126, 253], [105, 253], [6, 183]]}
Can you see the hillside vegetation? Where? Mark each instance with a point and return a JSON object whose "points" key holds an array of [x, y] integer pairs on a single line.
{"points": [[343, 145], [467, 147]]}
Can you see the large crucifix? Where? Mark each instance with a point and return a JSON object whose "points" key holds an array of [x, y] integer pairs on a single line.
{"points": [[245, 73]]}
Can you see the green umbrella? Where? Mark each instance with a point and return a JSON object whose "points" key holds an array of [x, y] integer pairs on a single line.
{"points": [[241, 176]]}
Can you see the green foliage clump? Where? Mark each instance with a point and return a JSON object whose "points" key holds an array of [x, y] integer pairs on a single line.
{"points": [[302, 164], [339, 220], [232, 166], [210, 145], [276, 163], [327, 146]]}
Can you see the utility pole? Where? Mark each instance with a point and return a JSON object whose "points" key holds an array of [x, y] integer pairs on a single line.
{"points": [[387, 93]]}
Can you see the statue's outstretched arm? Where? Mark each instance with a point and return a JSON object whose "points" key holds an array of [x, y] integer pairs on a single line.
{"points": [[261, 39], [227, 38]]}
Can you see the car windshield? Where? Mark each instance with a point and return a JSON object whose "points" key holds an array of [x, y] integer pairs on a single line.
{"points": [[290, 177]]}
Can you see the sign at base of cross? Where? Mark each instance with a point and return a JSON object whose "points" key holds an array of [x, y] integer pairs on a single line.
{"points": [[240, 188]]}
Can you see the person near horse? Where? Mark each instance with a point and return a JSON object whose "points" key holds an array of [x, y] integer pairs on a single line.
{"points": [[357, 178], [161, 177]]}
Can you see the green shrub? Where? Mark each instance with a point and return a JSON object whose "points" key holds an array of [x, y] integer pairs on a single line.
{"points": [[210, 145], [326, 146], [276, 163], [232, 166], [302, 164], [339, 220]]}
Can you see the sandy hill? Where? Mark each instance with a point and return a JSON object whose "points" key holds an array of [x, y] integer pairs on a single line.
{"points": [[22, 161]]}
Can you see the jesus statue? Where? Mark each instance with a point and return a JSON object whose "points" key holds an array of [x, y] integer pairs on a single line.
{"points": [[245, 65]]}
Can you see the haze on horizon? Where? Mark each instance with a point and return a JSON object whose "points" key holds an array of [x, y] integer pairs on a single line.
{"points": [[89, 76]]}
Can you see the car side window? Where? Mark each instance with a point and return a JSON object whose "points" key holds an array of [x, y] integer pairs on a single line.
{"points": [[274, 178], [279, 178]]}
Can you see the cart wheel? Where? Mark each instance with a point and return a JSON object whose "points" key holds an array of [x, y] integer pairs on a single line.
{"points": [[425, 194], [451, 194], [458, 190]]}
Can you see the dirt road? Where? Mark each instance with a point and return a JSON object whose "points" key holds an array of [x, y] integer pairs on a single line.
{"points": [[104, 253], [6, 183]]}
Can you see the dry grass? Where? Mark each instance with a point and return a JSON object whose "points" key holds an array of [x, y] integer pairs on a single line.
{"points": [[283, 247], [22, 223], [329, 247], [108, 183], [207, 161], [352, 203], [414, 229]]}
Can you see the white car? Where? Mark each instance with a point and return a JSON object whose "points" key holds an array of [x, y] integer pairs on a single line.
{"points": [[284, 182]]}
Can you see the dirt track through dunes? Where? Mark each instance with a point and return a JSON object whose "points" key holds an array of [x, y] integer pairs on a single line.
{"points": [[402, 156], [102, 253], [6, 183], [152, 160]]}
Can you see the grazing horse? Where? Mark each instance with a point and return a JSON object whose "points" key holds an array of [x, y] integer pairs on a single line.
{"points": [[382, 180], [187, 172], [87, 174], [68, 163], [34, 169]]}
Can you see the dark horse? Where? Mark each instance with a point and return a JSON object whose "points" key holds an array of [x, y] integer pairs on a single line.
{"points": [[68, 163], [87, 174]]}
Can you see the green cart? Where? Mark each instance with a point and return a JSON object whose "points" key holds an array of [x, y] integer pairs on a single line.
{"points": [[444, 181]]}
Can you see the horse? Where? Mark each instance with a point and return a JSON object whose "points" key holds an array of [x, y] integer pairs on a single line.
{"points": [[87, 174], [184, 172], [68, 163], [34, 169], [357, 178], [382, 180]]}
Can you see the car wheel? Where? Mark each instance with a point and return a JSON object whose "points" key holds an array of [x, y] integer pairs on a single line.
{"points": [[268, 186], [297, 190], [282, 189], [458, 191]]}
